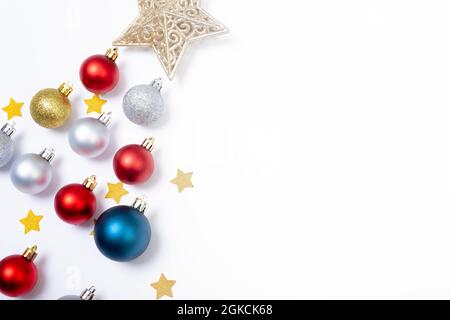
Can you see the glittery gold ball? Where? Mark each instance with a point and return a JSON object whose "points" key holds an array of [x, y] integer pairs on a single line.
{"points": [[51, 108]]}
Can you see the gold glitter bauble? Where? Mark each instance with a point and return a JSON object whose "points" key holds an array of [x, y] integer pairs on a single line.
{"points": [[51, 108]]}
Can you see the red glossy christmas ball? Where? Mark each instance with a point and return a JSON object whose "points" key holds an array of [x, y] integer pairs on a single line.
{"points": [[18, 276], [100, 73], [75, 204], [134, 164]]}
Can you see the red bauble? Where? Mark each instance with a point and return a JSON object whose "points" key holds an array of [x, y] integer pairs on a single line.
{"points": [[76, 203], [134, 164], [100, 73], [18, 276]]}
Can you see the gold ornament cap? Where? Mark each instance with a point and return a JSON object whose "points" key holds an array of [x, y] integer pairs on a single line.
{"points": [[91, 182], [141, 204], [65, 89], [112, 54], [149, 144], [30, 253]]}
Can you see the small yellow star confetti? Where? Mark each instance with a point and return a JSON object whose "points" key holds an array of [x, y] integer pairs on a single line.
{"points": [[92, 232], [116, 192], [183, 180], [31, 222], [95, 104], [163, 287], [14, 109]]}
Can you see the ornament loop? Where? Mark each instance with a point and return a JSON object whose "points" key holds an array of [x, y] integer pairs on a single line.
{"points": [[88, 294], [48, 154], [30, 253], [9, 128], [157, 84], [91, 182], [106, 118], [149, 144], [141, 204]]}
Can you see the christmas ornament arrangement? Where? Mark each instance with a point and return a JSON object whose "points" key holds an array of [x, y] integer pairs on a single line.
{"points": [[122, 233]]}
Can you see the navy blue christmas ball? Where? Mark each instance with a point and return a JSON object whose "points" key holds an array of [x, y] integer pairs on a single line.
{"points": [[123, 233]]}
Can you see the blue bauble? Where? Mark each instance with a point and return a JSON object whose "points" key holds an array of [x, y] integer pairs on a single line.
{"points": [[122, 233]]}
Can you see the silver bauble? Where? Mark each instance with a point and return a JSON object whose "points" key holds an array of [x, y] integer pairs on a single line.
{"points": [[143, 104], [32, 173], [90, 137], [87, 295], [70, 298], [6, 144]]}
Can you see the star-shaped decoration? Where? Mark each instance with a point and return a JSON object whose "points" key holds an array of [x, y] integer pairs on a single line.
{"points": [[95, 104], [31, 222], [116, 192], [183, 180], [14, 109], [163, 287], [168, 26]]}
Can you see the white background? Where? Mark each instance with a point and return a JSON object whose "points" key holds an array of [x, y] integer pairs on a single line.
{"points": [[318, 133]]}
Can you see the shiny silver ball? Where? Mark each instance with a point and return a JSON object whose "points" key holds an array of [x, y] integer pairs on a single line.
{"points": [[90, 137], [143, 104], [6, 149], [71, 298], [32, 173]]}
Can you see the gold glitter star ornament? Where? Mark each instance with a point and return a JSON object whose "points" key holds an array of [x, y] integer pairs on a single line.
{"points": [[168, 26]]}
